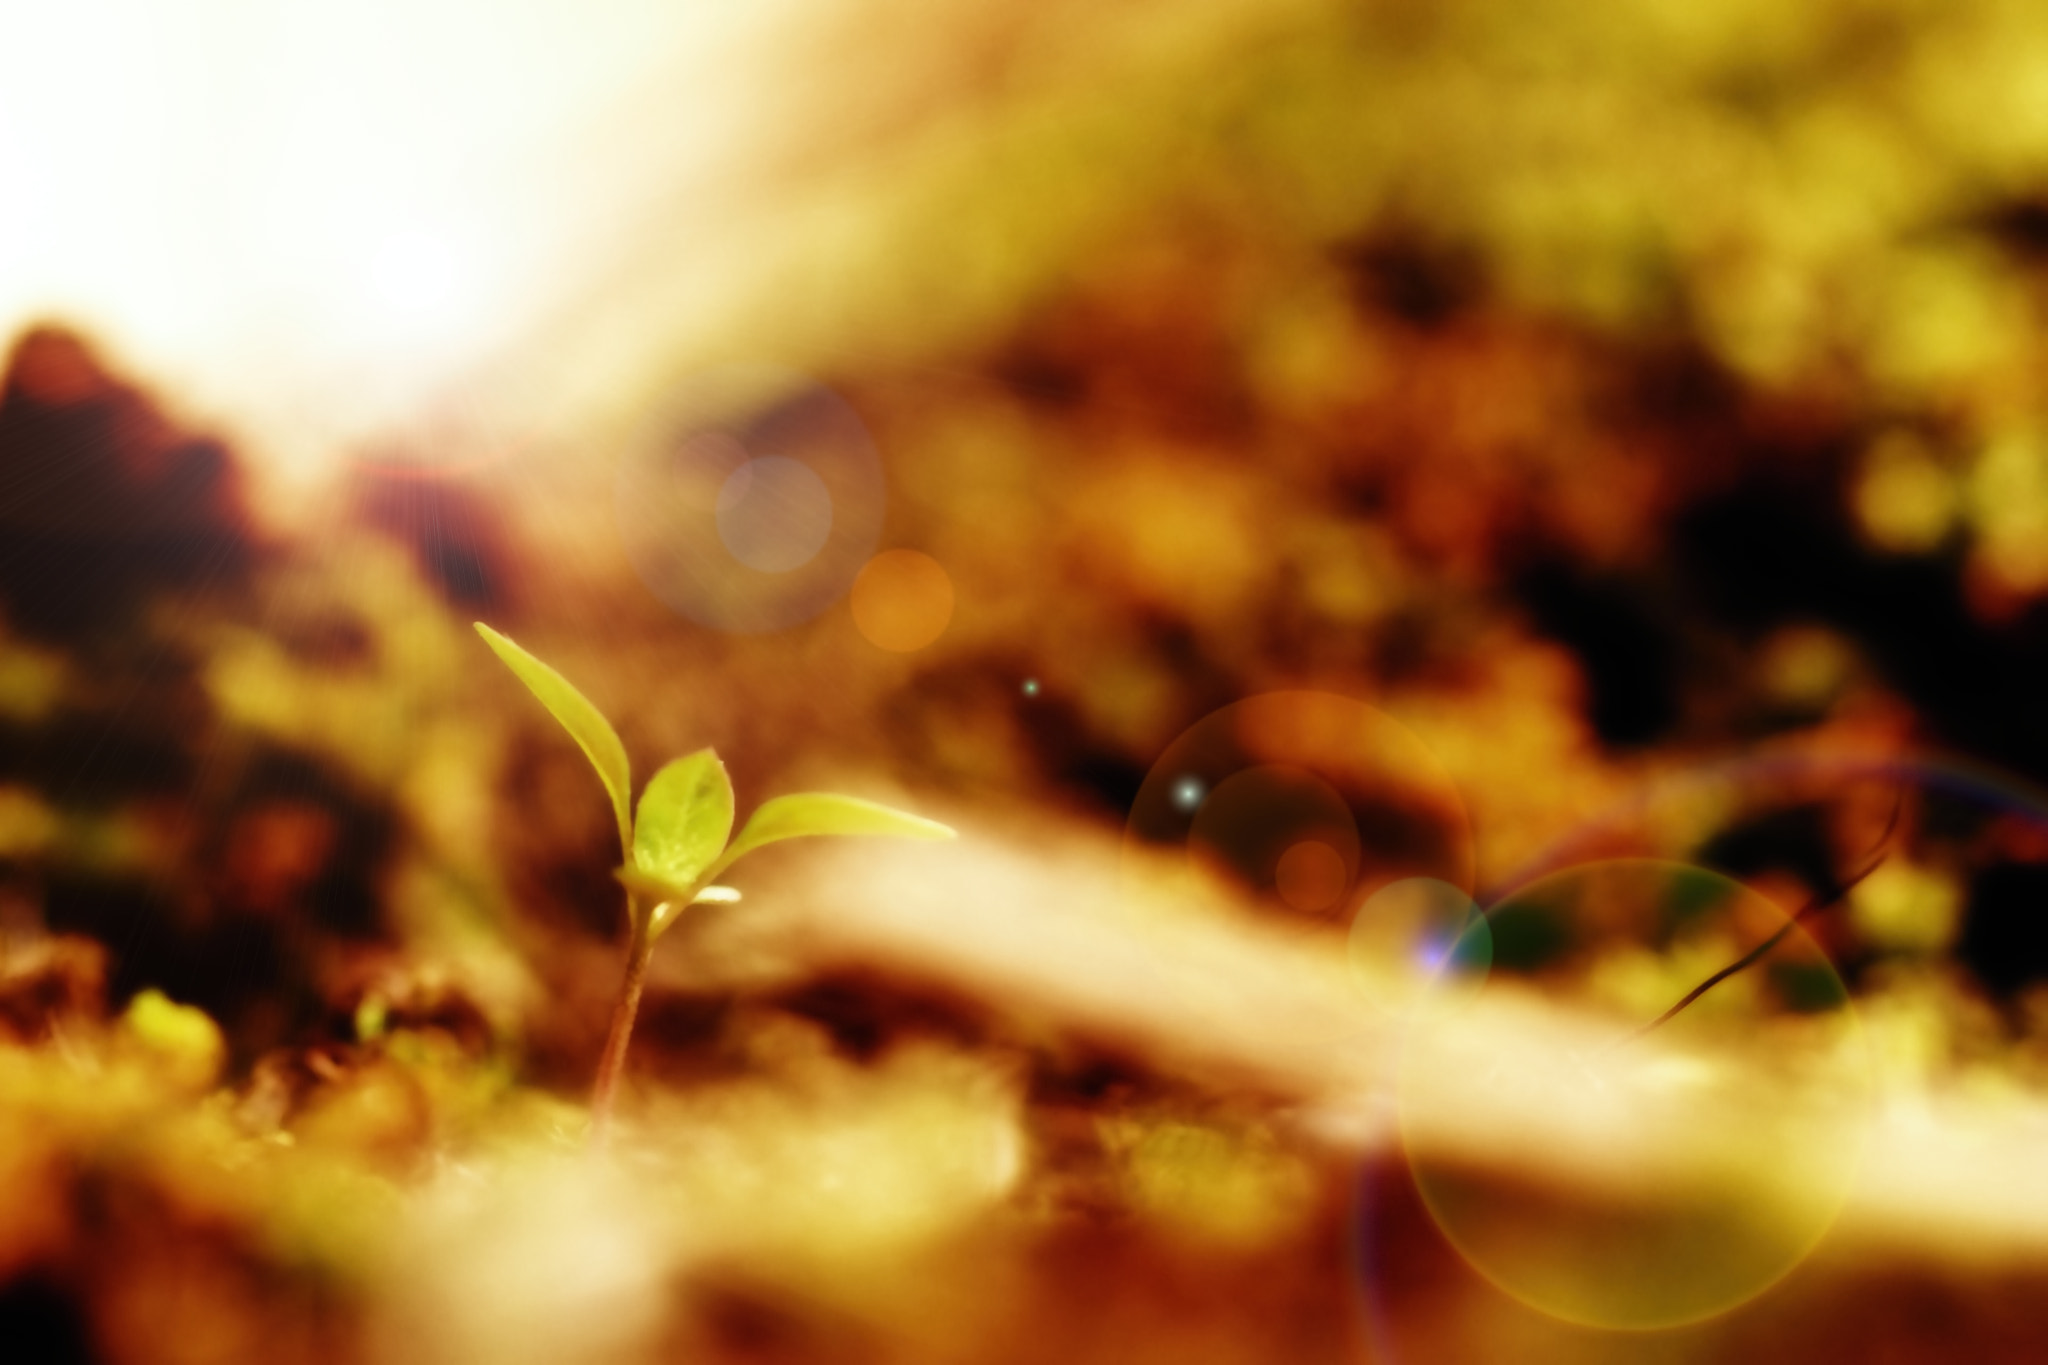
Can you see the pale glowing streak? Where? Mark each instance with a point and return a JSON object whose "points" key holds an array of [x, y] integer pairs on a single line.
{"points": [[311, 221]]}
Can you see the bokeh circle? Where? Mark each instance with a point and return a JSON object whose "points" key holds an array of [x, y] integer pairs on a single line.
{"points": [[751, 501], [1957, 853], [1712, 1155], [902, 601], [1419, 923], [1306, 807]]}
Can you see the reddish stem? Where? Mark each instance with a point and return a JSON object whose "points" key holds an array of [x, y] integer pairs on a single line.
{"points": [[639, 948]]}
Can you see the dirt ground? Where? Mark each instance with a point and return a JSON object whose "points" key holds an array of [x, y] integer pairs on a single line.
{"points": [[1403, 538]]}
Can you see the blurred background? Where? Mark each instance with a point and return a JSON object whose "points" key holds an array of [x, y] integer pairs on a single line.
{"points": [[1633, 412]]}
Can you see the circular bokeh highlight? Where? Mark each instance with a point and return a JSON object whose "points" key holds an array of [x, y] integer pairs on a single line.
{"points": [[1306, 806], [774, 513], [752, 501], [902, 601], [1951, 839], [1715, 1151], [1422, 922]]}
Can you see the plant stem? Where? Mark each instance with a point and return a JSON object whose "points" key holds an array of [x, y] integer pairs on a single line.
{"points": [[639, 948]]}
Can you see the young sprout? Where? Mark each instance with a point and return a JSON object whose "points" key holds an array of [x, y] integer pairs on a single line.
{"points": [[680, 840]]}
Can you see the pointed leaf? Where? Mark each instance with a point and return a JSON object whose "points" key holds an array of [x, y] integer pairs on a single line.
{"points": [[584, 722], [808, 813], [685, 819]]}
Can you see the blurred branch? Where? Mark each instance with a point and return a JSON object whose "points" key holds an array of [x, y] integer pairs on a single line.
{"points": [[1049, 927]]}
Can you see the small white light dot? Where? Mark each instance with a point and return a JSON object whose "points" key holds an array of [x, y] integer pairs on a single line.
{"points": [[1188, 793]]}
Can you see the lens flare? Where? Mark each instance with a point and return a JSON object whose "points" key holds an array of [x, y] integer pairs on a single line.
{"points": [[1304, 805], [1695, 1194], [752, 503], [774, 514], [1430, 926], [1311, 875], [902, 601], [1275, 827]]}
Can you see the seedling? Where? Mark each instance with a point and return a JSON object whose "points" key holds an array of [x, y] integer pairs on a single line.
{"points": [[680, 840]]}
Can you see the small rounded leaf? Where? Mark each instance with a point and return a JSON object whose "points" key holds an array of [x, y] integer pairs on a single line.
{"points": [[685, 818]]}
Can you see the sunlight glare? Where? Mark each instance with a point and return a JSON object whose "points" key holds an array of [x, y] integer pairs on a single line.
{"points": [[311, 222]]}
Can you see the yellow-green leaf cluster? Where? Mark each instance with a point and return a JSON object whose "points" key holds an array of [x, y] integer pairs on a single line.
{"points": [[680, 838]]}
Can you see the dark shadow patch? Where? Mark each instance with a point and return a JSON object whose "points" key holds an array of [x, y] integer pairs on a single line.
{"points": [[1767, 553], [1794, 841], [455, 535], [1408, 276], [1626, 647], [298, 840], [104, 504], [2004, 939], [864, 1013], [87, 759], [41, 1324]]}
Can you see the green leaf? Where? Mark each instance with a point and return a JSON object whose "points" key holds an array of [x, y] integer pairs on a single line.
{"points": [[584, 722], [685, 819], [669, 899], [650, 886], [808, 813]]}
